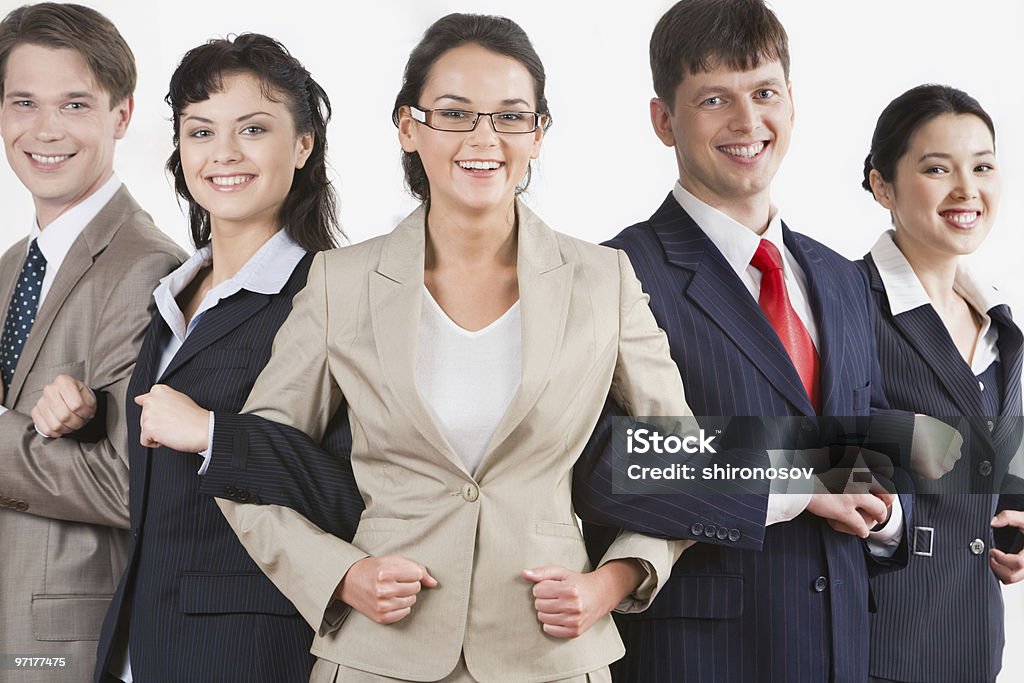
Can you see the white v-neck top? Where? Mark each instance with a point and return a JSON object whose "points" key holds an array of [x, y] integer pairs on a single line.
{"points": [[467, 379]]}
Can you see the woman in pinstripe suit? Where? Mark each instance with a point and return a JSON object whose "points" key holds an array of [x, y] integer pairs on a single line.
{"points": [[948, 347], [250, 162]]}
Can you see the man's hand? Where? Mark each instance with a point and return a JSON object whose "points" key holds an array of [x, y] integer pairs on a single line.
{"points": [[1008, 567], [172, 419], [568, 603], [856, 511], [384, 589], [66, 406]]}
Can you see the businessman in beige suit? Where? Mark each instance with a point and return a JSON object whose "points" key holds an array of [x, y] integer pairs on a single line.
{"points": [[74, 296]]}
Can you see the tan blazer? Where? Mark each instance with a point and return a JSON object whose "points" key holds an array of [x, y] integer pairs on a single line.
{"points": [[352, 334], [60, 498]]}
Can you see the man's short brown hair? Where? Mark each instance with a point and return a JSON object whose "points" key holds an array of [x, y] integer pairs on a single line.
{"points": [[72, 27], [696, 36]]}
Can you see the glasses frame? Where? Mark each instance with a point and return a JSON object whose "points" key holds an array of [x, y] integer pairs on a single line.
{"points": [[420, 116]]}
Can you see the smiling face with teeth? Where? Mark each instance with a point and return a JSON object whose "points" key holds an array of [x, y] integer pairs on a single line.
{"points": [[58, 127], [730, 130], [945, 192], [239, 152], [477, 171]]}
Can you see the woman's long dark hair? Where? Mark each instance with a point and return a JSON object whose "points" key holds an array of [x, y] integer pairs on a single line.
{"points": [[309, 212]]}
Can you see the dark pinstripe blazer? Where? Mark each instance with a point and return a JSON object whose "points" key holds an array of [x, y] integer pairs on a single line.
{"points": [[947, 591], [797, 610], [196, 606]]}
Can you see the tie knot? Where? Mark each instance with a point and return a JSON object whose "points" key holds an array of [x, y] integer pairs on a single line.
{"points": [[35, 256], [767, 257]]}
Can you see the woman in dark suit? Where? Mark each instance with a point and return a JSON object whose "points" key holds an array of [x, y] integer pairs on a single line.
{"points": [[949, 348], [249, 161]]}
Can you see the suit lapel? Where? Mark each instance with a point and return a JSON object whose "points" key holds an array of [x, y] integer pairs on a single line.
{"points": [[12, 263], [715, 289], [923, 330], [87, 247], [821, 292], [215, 323], [143, 377], [1011, 356], [545, 283], [396, 297]]}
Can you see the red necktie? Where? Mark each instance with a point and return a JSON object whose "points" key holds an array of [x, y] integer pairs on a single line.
{"points": [[774, 301]]}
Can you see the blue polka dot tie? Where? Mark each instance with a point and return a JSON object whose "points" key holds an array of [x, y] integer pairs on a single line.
{"points": [[22, 312]]}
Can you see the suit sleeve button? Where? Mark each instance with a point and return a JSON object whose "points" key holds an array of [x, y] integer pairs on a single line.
{"points": [[710, 530], [734, 535], [723, 533], [820, 584], [21, 506], [697, 529], [243, 496], [230, 491]]}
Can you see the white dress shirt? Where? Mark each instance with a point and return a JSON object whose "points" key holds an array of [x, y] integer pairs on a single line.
{"points": [[905, 293], [738, 244]]}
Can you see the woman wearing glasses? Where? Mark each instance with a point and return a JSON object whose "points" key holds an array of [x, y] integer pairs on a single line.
{"points": [[948, 347], [474, 348]]}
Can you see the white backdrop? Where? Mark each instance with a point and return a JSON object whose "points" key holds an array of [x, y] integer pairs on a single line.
{"points": [[849, 59]]}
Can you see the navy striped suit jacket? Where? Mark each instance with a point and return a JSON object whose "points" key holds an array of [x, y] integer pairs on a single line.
{"points": [[197, 608], [947, 590], [793, 608]]}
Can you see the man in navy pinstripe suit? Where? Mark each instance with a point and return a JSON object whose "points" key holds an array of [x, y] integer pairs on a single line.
{"points": [[791, 602]]}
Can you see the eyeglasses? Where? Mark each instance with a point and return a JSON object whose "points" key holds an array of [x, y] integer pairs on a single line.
{"points": [[459, 121]]}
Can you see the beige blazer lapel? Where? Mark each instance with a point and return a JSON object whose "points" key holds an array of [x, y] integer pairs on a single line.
{"points": [[545, 285], [10, 269], [94, 239], [396, 297]]}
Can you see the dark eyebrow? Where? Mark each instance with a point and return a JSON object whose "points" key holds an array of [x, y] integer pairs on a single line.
{"points": [[457, 98], [466, 100], [240, 119], [943, 155], [79, 95]]}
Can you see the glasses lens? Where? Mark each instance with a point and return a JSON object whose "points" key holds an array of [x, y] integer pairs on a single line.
{"points": [[451, 119], [514, 121]]}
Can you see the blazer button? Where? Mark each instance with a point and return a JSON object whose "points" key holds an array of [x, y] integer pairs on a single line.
{"points": [[977, 546], [697, 529], [710, 530], [470, 493], [985, 468], [723, 533], [734, 535], [820, 584]]}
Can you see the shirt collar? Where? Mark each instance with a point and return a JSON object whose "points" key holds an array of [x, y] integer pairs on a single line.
{"points": [[266, 272], [56, 239], [736, 242], [905, 291]]}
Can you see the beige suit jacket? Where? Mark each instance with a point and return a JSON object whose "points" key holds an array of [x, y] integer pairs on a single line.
{"points": [[64, 504], [352, 335]]}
